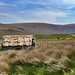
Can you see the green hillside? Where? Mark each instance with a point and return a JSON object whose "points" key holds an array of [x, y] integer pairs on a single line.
{"points": [[55, 37]]}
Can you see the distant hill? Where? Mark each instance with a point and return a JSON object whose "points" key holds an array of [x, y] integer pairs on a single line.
{"points": [[35, 28]]}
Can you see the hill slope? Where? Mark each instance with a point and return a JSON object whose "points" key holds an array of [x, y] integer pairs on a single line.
{"points": [[35, 28]]}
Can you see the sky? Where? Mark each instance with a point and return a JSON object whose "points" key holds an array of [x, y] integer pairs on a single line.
{"points": [[44, 11]]}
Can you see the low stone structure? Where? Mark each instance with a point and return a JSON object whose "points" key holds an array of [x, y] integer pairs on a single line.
{"points": [[17, 41]]}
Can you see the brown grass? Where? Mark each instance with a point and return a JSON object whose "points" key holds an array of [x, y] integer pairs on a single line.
{"points": [[55, 53]]}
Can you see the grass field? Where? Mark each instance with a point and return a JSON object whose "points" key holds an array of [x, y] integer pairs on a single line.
{"points": [[55, 37], [47, 58]]}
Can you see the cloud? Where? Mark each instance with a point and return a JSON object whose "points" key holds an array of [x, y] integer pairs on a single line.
{"points": [[69, 1], [41, 10], [39, 2], [54, 4], [35, 16], [44, 15], [6, 4], [12, 17], [36, 2]]}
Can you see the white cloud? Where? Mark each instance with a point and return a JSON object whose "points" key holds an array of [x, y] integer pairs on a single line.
{"points": [[69, 1], [12, 17], [44, 15], [32, 2], [54, 4], [6, 4], [35, 16], [50, 14], [40, 2], [69, 4], [36, 2]]}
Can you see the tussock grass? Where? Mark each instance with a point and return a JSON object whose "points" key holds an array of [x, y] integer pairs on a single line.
{"points": [[56, 55]]}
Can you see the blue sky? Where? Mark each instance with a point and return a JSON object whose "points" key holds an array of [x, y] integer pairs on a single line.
{"points": [[46, 11]]}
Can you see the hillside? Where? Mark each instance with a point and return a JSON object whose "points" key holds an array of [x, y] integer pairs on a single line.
{"points": [[35, 28]]}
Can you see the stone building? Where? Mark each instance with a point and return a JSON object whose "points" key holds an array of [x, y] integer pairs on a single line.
{"points": [[17, 42]]}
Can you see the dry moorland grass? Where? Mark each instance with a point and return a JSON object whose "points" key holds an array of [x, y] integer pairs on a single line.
{"points": [[55, 53]]}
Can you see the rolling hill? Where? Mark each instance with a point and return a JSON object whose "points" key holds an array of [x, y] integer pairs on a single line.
{"points": [[35, 28]]}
